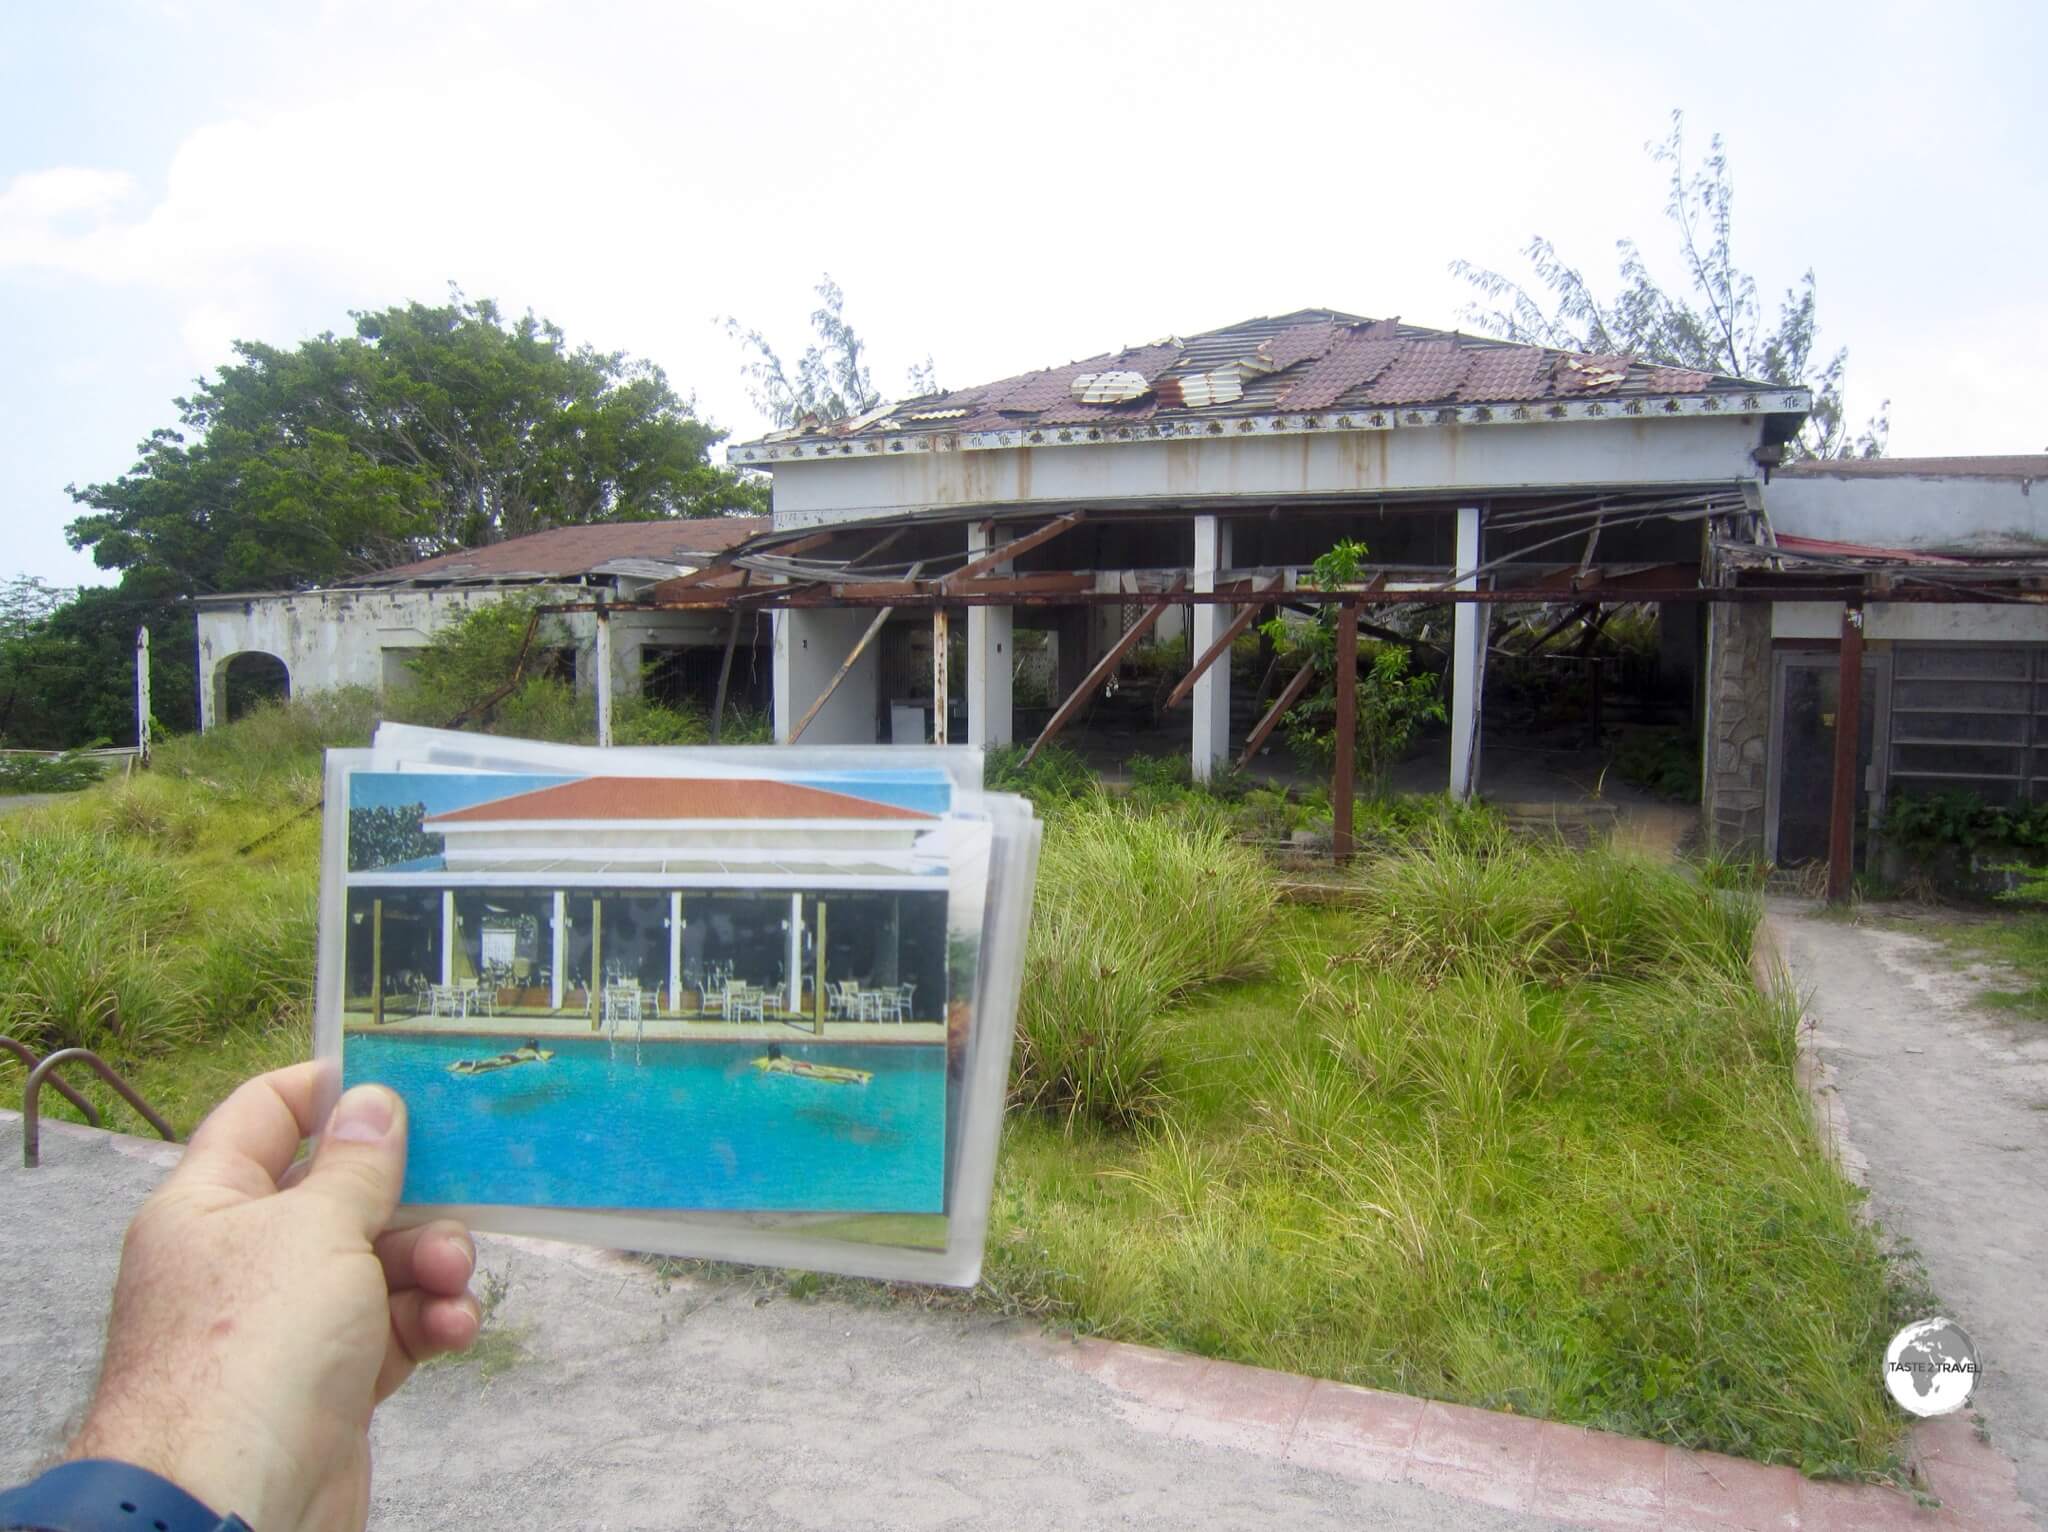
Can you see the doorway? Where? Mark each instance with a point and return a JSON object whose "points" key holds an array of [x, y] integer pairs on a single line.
{"points": [[1806, 694]]}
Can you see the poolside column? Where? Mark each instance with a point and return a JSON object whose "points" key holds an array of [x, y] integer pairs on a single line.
{"points": [[377, 961], [559, 950], [675, 951], [795, 965], [593, 987], [447, 936], [818, 991]]}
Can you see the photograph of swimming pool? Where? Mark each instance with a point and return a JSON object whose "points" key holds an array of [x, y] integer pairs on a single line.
{"points": [[701, 1125]]}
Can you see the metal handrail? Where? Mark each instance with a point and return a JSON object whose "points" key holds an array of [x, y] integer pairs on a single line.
{"points": [[31, 1106], [30, 1058]]}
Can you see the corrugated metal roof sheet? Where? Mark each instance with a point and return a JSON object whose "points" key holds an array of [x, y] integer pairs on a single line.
{"points": [[1315, 359], [2011, 466], [564, 553]]}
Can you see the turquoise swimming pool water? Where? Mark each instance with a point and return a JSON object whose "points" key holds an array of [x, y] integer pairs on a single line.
{"points": [[683, 1125]]}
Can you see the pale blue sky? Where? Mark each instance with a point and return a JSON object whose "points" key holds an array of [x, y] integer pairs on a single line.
{"points": [[1003, 187]]}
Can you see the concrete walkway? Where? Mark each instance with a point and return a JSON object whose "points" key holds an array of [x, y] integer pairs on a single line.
{"points": [[1941, 1109], [607, 1397]]}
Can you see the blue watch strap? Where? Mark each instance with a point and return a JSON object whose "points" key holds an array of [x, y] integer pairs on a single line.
{"points": [[103, 1495]]}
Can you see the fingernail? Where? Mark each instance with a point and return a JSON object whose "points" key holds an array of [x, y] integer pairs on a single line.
{"points": [[363, 1115]]}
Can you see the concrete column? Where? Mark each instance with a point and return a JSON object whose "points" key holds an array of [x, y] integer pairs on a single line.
{"points": [[810, 646], [603, 660], [558, 954], [1211, 747], [447, 936], [990, 653], [1468, 632], [675, 951], [796, 952]]}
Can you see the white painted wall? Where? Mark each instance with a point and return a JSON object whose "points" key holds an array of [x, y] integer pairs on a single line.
{"points": [[1453, 459], [1915, 622], [334, 638], [810, 646], [1957, 515]]}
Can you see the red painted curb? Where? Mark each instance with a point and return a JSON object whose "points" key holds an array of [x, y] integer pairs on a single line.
{"points": [[1590, 1478]]}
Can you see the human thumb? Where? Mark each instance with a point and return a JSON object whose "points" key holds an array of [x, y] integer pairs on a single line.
{"points": [[359, 1166]]}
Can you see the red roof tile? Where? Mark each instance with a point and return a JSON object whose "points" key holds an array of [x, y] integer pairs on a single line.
{"points": [[567, 552], [658, 798], [1355, 357], [1314, 359], [1426, 370]]}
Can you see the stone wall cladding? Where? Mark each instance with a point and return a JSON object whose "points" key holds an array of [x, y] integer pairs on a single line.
{"points": [[1738, 728]]}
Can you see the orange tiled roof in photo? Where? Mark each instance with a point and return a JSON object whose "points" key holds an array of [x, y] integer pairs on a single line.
{"points": [[657, 798]]}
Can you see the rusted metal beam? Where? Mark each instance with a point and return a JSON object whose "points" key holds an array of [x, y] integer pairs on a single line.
{"points": [[1289, 695], [1010, 550], [996, 585], [1104, 668], [1848, 755], [844, 671], [803, 598], [1341, 784], [1217, 650], [732, 639]]}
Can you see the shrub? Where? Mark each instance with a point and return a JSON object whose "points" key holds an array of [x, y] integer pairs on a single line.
{"points": [[1391, 704], [1133, 914], [1056, 777], [67, 773]]}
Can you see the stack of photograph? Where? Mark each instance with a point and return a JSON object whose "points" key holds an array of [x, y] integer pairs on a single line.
{"points": [[749, 1004]]}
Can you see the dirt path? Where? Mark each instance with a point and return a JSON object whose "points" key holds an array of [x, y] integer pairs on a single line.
{"points": [[1942, 1109]]}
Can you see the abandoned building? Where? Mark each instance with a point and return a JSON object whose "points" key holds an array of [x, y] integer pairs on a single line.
{"points": [[1078, 510], [362, 633], [1111, 529]]}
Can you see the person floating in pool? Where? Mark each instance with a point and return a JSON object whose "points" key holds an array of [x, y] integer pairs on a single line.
{"points": [[531, 1052]]}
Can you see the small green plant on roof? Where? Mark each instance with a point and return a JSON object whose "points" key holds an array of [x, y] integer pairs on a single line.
{"points": [[1393, 703]]}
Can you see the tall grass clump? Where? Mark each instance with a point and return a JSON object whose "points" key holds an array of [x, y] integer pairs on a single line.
{"points": [[1549, 912], [83, 923], [1134, 913], [1517, 1130]]}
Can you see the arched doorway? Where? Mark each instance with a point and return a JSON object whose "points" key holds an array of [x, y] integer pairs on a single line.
{"points": [[243, 681]]}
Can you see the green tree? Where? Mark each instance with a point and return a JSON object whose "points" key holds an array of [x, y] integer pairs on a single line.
{"points": [[67, 676], [383, 836], [1717, 322], [428, 428], [1391, 704], [830, 380]]}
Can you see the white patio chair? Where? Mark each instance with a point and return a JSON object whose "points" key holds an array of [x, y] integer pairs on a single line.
{"points": [[899, 1002]]}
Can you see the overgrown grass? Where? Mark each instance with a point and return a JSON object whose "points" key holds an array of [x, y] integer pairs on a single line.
{"points": [[1134, 913], [166, 920], [1519, 1132]]}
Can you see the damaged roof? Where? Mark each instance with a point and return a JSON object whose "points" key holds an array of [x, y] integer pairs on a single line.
{"points": [[1312, 370], [657, 550], [2025, 467]]}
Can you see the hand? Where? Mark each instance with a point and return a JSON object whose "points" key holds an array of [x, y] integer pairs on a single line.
{"points": [[260, 1316]]}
